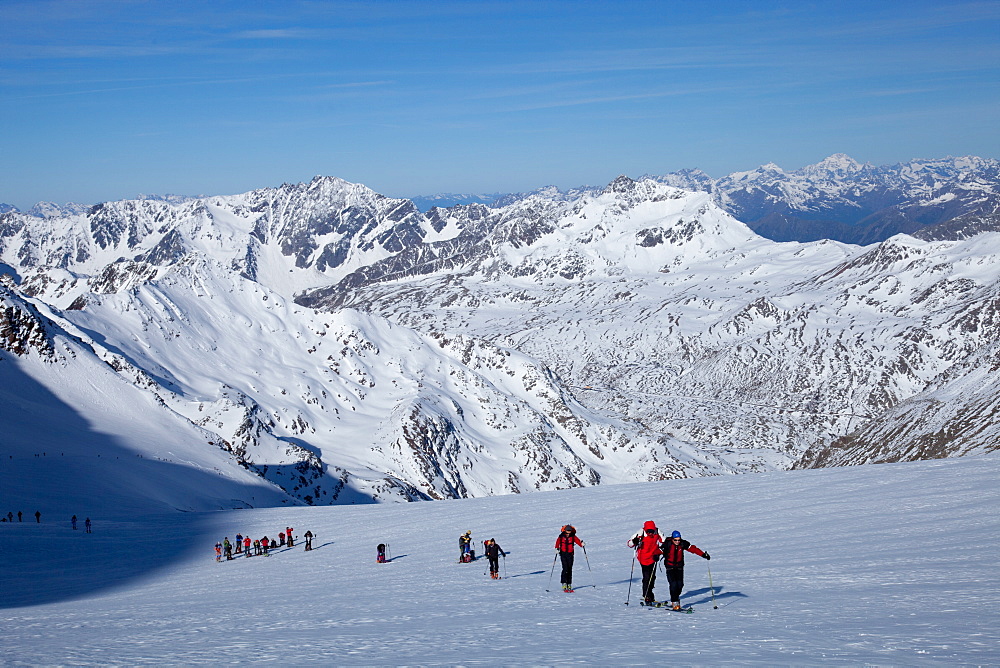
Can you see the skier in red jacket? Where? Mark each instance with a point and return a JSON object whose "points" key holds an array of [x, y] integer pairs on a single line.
{"points": [[564, 544], [647, 551], [673, 565]]}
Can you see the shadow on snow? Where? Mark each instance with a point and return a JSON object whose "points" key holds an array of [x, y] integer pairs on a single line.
{"points": [[53, 461]]}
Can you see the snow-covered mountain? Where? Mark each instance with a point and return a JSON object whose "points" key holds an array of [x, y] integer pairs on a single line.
{"points": [[664, 309], [345, 346], [329, 407], [84, 423], [840, 198], [53, 210], [837, 198]]}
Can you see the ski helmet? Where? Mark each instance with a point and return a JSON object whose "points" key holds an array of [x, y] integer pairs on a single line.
{"points": [[675, 534]]}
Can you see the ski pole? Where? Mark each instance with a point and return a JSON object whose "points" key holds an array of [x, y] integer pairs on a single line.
{"points": [[631, 575], [589, 570], [504, 565], [711, 586], [552, 570]]}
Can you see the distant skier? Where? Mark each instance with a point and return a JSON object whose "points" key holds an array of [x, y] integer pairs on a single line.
{"points": [[239, 543], [228, 548], [19, 516], [309, 540], [10, 517], [73, 522], [288, 536], [647, 552], [493, 553], [256, 548], [87, 525], [673, 565], [246, 546], [265, 544], [218, 552], [38, 516], [565, 542], [465, 546], [380, 553], [281, 539]]}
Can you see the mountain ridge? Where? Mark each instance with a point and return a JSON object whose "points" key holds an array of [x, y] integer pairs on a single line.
{"points": [[632, 332]]}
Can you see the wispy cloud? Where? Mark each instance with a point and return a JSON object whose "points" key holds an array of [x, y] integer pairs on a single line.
{"points": [[280, 33], [607, 99], [932, 18], [140, 84]]}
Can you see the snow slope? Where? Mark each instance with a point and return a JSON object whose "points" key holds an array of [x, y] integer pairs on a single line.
{"points": [[79, 430], [890, 564]]}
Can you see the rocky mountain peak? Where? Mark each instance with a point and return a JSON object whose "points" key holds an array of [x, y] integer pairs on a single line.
{"points": [[621, 184], [22, 327], [838, 165]]}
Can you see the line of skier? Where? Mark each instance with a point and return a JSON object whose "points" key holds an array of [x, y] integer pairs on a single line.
{"points": [[87, 524], [10, 517], [651, 549], [247, 547]]}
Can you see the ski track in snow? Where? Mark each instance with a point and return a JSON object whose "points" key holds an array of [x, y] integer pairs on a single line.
{"points": [[887, 564]]}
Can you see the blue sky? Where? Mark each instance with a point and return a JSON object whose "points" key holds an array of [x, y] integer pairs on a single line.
{"points": [[106, 100]]}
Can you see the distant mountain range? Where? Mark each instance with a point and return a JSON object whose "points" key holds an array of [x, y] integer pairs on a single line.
{"points": [[342, 346], [837, 198]]}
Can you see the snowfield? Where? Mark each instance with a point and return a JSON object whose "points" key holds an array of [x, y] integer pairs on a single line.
{"points": [[889, 564]]}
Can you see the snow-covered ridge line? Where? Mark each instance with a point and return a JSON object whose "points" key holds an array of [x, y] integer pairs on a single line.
{"points": [[838, 198]]}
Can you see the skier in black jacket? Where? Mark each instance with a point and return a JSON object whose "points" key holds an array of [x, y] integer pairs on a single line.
{"points": [[493, 553], [673, 564]]}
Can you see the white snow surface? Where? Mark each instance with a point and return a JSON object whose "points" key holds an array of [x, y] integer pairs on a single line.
{"points": [[888, 564]]}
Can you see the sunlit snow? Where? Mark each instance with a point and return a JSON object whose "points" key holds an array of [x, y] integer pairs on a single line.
{"points": [[888, 565]]}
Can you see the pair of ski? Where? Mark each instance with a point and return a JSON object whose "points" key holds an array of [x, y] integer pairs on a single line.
{"points": [[665, 605]]}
